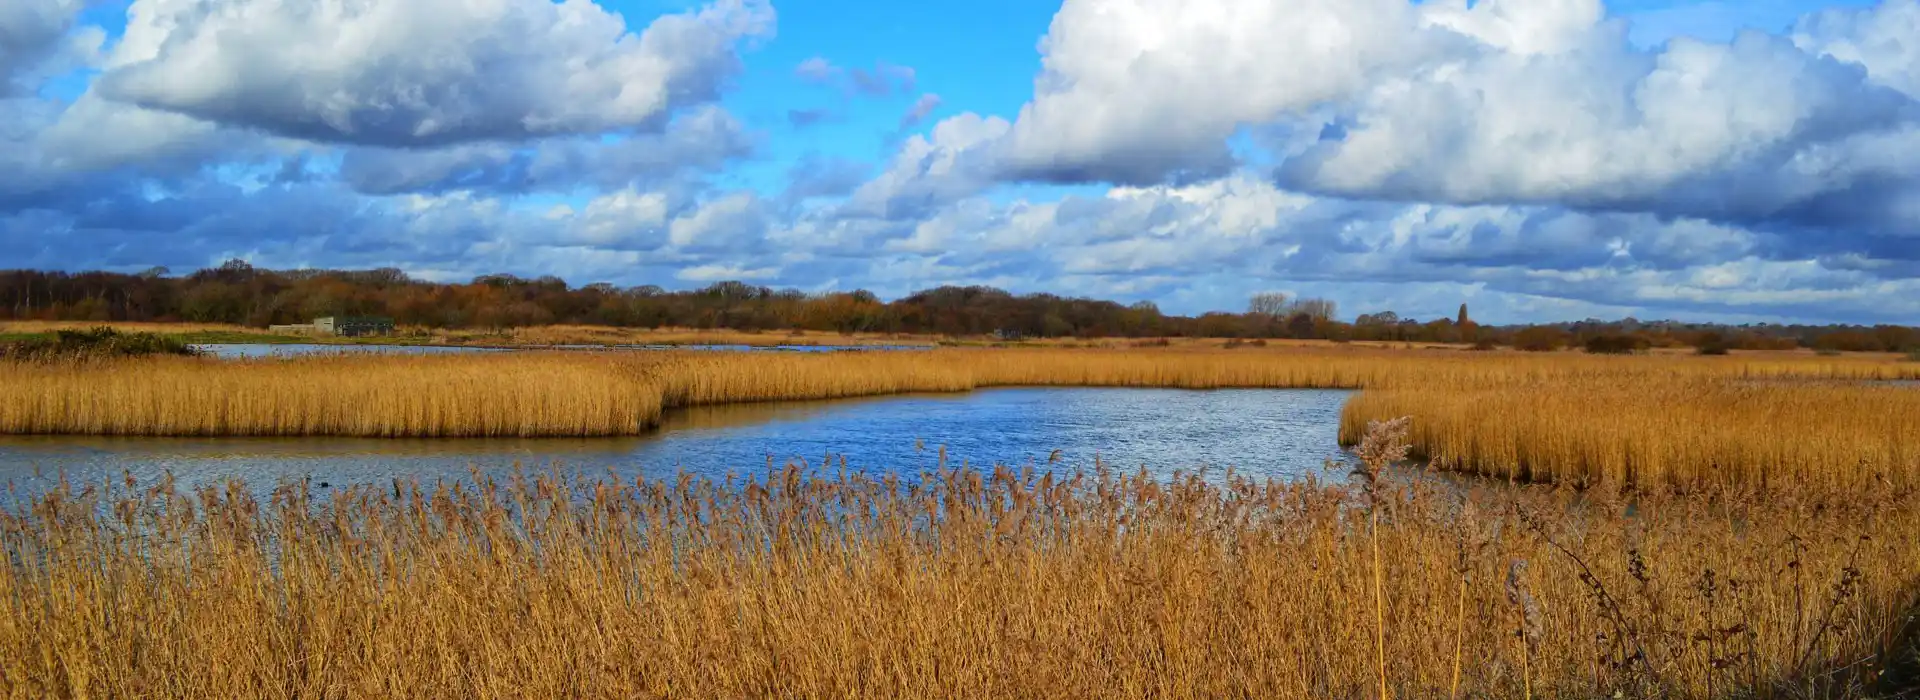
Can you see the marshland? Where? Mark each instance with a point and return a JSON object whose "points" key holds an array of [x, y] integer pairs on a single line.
{"points": [[1539, 525]]}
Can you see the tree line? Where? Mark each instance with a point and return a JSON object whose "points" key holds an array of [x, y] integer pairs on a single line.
{"points": [[236, 292]]}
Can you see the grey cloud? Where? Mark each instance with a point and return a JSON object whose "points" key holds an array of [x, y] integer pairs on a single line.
{"points": [[1505, 102], [31, 32], [927, 172], [424, 73], [882, 80], [1704, 130], [803, 118], [815, 176], [919, 111], [1879, 38], [704, 140]]}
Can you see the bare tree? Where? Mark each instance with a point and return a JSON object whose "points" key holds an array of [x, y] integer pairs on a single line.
{"points": [[1269, 304], [1318, 309]]}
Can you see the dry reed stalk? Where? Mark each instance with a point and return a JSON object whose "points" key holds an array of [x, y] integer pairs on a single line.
{"points": [[1658, 432], [950, 584], [1777, 421]]}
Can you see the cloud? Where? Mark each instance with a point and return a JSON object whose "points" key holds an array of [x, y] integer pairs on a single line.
{"points": [[728, 223], [880, 81], [1132, 91], [919, 111], [31, 33], [816, 70], [954, 161], [1880, 38], [1523, 156], [723, 273], [803, 118], [815, 176], [703, 140], [1724, 131], [423, 73], [1498, 102]]}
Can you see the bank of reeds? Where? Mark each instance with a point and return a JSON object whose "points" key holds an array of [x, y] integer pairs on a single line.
{"points": [[955, 584], [564, 393], [1779, 420], [1683, 432], [385, 396]]}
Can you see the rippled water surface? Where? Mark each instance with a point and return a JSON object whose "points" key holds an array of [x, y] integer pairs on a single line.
{"points": [[1280, 433]]}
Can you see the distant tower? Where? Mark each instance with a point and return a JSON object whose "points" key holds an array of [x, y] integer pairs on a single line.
{"points": [[1468, 331], [1463, 317]]}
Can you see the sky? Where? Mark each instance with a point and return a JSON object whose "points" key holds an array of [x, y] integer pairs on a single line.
{"points": [[1539, 160]]}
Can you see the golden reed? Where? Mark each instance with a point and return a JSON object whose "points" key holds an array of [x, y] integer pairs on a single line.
{"points": [[1774, 419], [955, 584]]}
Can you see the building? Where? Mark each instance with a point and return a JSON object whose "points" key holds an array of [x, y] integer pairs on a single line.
{"points": [[293, 328], [349, 326], [352, 326]]}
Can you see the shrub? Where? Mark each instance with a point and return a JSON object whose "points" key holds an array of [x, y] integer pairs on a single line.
{"points": [[1713, 344], [96, 343], [1152, 343], [1484, 344], [1540, 339], [1617, 344]]}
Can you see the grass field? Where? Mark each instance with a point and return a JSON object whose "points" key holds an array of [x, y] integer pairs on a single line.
{"points": [[1778, 420], [960, 585]]}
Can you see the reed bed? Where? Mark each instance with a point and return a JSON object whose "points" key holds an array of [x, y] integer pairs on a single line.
{"points": [[1682, 432], [36, 327], [1782, 420], [570, 393], [375, 396], [955, 584]]}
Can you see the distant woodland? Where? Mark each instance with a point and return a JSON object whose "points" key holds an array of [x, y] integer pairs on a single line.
{"points": [[239, 293]]}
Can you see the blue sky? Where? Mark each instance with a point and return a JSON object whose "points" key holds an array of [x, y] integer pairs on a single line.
{"points": [[1538, 159]]}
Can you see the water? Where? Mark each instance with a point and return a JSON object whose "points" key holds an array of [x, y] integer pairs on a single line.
{"points": [[257, 350], [233, 351], [1278, 433]]}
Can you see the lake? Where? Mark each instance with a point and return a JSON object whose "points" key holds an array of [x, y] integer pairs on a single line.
{"points": [[233, 351], [1263, 432]]}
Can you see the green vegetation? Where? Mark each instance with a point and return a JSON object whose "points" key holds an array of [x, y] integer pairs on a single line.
{"points": [[89, 344]]}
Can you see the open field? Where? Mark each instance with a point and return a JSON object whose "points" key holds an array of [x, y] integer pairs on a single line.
{"points": [[1009, 585], [1779, 420]]}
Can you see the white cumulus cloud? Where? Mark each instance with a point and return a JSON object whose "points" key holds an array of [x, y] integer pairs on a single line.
{"points": [[424, 72]]}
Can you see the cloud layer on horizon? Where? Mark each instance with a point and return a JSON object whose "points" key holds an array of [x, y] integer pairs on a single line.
{"points": [[1522, 155]]}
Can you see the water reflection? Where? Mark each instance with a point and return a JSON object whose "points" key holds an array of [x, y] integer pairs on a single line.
{"points": [[1278, 433]]}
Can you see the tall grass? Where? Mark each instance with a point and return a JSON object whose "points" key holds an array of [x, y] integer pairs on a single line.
{"points": [[366, 396], [1685, 432], [953, 584], [1783, 420]]}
